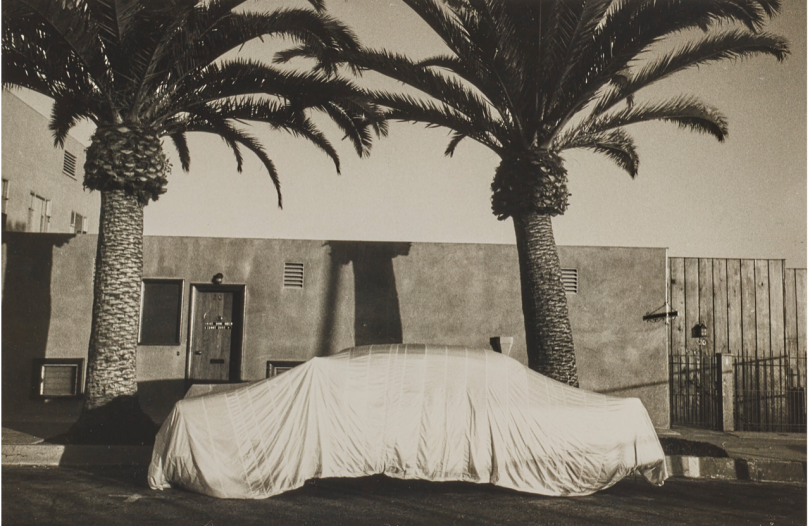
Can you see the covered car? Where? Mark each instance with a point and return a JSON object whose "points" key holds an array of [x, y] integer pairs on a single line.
{"points": [[407, 411]]}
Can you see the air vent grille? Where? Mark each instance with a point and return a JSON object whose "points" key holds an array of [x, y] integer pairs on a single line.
{"points": [[293, 275], [58, 380], [275, 368], [570, 279], [69, 167]]}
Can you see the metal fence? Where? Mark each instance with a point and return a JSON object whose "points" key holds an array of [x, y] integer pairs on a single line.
{"points": [[770, 395], [694, 396]]}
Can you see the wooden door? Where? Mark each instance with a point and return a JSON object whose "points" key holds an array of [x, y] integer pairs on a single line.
{"points": [[215, 347]]}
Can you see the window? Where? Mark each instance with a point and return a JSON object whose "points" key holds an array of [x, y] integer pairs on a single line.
{"points": [[293, 275], [570, 279], [69, 166], [161, 303], [78, 223], [57, 378], [39, 214]]}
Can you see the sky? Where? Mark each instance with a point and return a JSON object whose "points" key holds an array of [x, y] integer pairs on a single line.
{"points": [[743, 198]]}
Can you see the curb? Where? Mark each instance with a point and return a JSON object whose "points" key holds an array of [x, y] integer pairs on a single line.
{"points": [[737, 469], [677, 466]]}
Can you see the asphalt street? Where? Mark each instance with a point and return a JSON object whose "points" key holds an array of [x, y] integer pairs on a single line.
{"points": [[120, 496]]}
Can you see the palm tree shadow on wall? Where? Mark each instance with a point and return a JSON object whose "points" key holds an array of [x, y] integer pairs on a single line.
{"points": [[377, 317], [26, 314]]}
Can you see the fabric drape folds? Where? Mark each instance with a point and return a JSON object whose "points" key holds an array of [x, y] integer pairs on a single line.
{"points": [[408, 411]]}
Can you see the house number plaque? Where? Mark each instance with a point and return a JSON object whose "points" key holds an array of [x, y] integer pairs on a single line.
{"points": [[218, 325]]}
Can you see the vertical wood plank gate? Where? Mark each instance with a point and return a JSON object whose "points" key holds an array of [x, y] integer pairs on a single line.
{"points": [[755, 310]]}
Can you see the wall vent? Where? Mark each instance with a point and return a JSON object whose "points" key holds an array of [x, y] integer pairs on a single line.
{"points": [[69, 166], [293, 275], [275, 368], [57, 378], [570, 279]]}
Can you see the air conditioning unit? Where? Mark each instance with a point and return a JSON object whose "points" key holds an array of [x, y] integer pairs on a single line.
{"points": [[57, 378]]}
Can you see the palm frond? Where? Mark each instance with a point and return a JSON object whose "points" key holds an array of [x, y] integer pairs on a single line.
{"points": [[453, 144], [69, 21], [353, 124], [181, 145], [19, 72], [476, 74], [212, 38], [114, 19], [67, 110], [446, 26], [245, 77], [616, 145], [232, 136], [613, 47], [305, 128], [447, 89], [592, 14], [728, 45], [409, 109], [558, 24], [687, 112]]}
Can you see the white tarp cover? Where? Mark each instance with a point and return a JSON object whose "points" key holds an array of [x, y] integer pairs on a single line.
{"points": [[408, 411]]}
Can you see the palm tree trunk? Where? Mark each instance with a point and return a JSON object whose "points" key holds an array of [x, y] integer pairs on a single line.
{"points": [[126, 163], [111, 413], [116, 300], [549, 341]]}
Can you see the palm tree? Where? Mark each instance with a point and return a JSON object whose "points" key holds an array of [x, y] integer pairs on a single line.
{"points": [[529, 79], [145, 69]]}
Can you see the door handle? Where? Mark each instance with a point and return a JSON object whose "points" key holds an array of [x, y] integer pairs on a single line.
{"points": [[198, 353]]}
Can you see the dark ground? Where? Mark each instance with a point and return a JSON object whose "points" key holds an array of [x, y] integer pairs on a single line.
{"points": [[113, 496]]}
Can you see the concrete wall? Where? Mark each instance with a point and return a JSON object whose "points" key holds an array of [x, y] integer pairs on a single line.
{"points": [[31, 163], [46, 312], [355, 293]]}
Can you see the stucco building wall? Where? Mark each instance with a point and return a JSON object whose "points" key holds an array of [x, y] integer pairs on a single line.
{"points": [[32, 164], [354, 293]]}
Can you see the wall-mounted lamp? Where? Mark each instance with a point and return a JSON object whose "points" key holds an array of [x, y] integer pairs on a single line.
{"points": [[217, 279], [700, 331]]}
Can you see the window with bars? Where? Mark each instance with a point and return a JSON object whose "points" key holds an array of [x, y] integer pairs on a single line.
{"points": [[293, 275], [69, 165], [570, 279]]}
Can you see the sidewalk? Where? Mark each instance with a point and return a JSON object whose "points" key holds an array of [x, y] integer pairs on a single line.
{"points": [[23, 444], [763, 457]]}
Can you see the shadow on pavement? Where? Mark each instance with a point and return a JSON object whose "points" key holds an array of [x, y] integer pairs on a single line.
{"points": [[101, 496]]}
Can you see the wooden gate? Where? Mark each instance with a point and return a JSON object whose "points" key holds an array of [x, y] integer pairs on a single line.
{"points": [[755, 310]]}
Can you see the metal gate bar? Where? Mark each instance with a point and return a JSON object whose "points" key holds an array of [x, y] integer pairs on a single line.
{"points": [[695, 400], [770, 395]]}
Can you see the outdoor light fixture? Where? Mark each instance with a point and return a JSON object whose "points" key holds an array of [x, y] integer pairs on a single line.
{"points": [[700, 331], [217, 279]]}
